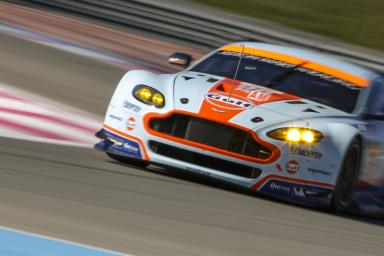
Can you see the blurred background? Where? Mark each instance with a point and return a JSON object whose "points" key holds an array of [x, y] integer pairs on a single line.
{"points": [[349, 29], [59, 63], [349, 20]]}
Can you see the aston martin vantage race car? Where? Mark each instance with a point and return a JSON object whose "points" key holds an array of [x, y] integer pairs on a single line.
{"points": [[286, 122]]}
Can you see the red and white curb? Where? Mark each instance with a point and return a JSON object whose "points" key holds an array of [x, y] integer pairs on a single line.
{"points": [[30, 117]]}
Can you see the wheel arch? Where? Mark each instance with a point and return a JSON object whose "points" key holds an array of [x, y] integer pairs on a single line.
{"points": [[334, 204]]}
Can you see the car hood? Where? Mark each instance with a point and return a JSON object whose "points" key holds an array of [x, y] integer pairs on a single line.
{"points": [[248, 105]]}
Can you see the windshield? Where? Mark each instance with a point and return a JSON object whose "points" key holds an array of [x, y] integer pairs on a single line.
{"points": [[282, 76]]}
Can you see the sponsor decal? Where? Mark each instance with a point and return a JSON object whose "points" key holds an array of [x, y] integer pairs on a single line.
{"points": [[258, 58], [121, 146], [125, 145], [131, 106], [131, 148], [258, 96], [256, 88], [247, 88], [279, 187], [283, 64], [257, 93], [222, 100], [116, 142], [327, 78], [316, 171], [279, 168], [300, 192], [297, 191], [294, 149], [303, 192], [292, 167], [115, 117], [131, 123]]}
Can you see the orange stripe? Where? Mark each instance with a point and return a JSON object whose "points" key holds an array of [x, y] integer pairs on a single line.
{"points": [[275, 150], [206, 109], [358, 81], [264, 180], [128, 136], [222, 112], [264, 53], [337, 73]]}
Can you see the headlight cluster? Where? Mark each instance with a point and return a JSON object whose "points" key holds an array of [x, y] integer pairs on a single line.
{"points": [[149, 95], [296, 135]]}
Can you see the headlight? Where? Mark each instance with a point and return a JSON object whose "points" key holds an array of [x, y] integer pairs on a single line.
{"points": [[296, 135], [149, 95]]}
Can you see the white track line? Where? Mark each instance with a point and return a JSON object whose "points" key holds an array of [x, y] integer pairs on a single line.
{"points": [[63, 241]]}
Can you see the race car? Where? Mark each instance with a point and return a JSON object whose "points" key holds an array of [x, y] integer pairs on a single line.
{"points": [[287, 122]]}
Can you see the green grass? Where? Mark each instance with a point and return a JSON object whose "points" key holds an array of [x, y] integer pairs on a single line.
{"points": [[357, 21]]}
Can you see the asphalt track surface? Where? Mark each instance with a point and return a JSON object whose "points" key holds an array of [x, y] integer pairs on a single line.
{"points": [[80, 195]]}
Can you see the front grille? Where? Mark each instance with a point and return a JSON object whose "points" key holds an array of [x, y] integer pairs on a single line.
{"points": [[204, 160], [210, 133]]}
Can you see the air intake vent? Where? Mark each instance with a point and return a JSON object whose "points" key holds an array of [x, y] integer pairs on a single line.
{"points": [[210, 133], [204, 160]]}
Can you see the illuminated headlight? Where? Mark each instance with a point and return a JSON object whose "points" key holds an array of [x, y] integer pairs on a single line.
{"points": [[149, 95], [296, 135]]}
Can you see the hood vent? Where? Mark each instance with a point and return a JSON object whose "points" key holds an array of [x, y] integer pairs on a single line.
{"points": [[188, 78], [296, 102], [212, 80], [310, 110], [220, 88]]}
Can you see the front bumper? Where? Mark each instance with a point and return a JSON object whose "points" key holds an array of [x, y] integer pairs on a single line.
{"points": [[265, 178], [113, 143]]}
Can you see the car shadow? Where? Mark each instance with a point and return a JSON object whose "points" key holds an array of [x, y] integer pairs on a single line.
{"points": [[195, 178]]}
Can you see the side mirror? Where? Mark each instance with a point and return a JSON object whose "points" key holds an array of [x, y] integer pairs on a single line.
{"points": [[181, 59]]}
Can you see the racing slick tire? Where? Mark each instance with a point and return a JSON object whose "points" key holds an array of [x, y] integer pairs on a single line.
{"points": [[342, 199], [128, 160]]}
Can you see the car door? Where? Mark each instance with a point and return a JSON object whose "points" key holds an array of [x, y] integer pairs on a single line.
{"points": [[372, 169]]}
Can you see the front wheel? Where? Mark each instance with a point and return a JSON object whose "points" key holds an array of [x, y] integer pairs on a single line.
{"points": [[346, 183], [128, 160]]}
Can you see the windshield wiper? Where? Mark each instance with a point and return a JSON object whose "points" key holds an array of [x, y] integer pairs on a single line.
{"points": [[281, 77]]}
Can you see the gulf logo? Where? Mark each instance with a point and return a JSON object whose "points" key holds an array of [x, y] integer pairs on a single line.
{"points": [[222, 100], [131, 123], [292, 167]]}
